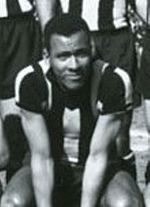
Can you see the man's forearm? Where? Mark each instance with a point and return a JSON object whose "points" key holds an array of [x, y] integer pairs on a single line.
{"points": [[41, 160], [93, 180], [43, 178], [46, 10], [105, 133]]}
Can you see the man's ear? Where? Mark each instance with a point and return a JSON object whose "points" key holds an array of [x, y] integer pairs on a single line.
{"points": [[45, 53]]}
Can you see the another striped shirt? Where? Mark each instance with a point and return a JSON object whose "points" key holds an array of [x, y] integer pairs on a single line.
{"points": [[14, 7], [100, 14]]}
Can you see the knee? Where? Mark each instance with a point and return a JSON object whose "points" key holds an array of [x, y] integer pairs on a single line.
{"points": [[123, 201], [120, 202], [12, 200]]}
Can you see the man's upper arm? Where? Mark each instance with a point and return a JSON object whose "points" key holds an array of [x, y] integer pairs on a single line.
{"points": [[28, 94], [115, 92], [114, 99]]}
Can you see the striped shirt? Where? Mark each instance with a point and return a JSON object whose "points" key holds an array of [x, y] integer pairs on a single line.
{"points": [[14, 7], [100, 14], [142, 10], [71, 118]]}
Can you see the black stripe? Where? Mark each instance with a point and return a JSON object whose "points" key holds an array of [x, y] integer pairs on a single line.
{"points": [[75, 7], [13, 7], [106, 14]]}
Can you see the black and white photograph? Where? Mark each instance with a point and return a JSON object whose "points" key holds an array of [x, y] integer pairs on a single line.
{"points": [[74, 103]]}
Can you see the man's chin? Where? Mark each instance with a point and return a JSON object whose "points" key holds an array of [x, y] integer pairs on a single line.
{"points": [[73, 87]]}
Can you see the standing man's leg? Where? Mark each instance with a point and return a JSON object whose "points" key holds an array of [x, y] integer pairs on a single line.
{"points": [[144, 87], [147, 190]]}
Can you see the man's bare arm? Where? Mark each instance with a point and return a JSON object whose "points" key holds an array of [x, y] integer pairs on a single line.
{"points": [[41, 160], [46, 10], [105, 133]]}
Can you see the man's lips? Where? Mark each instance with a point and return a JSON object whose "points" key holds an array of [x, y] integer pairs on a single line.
{"points": [[74, 76]]}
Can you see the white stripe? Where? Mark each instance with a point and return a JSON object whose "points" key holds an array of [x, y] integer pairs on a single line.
{"points": [[104, 67], [3, 8], [141, 7], [127, 84], [119, 14], [19, 80], [65, 5], [49, 85], [90, 13], [45, 65], [25, 5]]}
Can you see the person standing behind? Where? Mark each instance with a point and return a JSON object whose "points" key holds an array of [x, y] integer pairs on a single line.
{"points": [[114, 43], [143, 8], [71, 116]]}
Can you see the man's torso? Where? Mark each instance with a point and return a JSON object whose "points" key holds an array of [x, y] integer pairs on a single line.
{"points": [[101, 14], [71, 119]]}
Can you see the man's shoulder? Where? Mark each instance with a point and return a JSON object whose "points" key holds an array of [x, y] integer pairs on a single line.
{"points": [[104, 69], [31, 70], [112, 86], [32, 89]]}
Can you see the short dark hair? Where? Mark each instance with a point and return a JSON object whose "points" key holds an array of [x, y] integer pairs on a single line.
{"points": [[66, 25]]}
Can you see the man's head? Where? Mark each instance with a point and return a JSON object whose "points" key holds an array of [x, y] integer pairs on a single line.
{"points": [[67, 39]]}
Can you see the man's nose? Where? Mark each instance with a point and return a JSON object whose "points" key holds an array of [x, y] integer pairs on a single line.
{"points": [[73, 63]]}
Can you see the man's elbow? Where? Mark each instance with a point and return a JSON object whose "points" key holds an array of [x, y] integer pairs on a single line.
{"points": [[98, 157]]}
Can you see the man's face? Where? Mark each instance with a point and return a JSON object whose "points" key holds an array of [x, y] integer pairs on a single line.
{"points": [[70, 59]]}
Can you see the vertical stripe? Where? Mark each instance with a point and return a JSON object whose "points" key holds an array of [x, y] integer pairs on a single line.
{"points": [[13, 7], [3, 8], [71, 132], [25, 5], [65, 5], [127, 84], [75, 7], [49, 86], [105, 14], [141, 6], [119, 13], [90, 13], [45, 65]]}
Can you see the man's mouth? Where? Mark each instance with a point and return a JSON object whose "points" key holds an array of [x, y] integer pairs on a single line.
{"points": [[74, 77]]}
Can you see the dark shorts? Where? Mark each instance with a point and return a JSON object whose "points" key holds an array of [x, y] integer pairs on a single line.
{"points": [[69, 180], [144, 75], [20, 45], [117, 48]]}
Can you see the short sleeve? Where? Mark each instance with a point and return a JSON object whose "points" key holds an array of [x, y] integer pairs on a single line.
{"points": [[28, 93], [115, 92]]}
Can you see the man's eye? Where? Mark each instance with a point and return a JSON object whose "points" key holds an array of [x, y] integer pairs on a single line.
{"points": [[82, 54], [63, 57]]}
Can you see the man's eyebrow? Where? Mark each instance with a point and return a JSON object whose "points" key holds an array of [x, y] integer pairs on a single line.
{"points": [[83, 50], [63, 53]]}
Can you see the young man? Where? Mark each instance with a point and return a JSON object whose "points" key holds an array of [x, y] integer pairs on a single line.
{"points": [[72, 115], [109, 26]]}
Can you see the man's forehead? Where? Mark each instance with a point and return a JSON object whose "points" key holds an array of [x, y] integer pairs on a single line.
{"points": [[76, 39]]}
